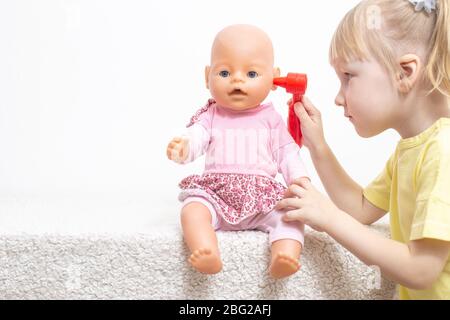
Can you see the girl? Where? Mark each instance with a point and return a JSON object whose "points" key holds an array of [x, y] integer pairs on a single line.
{"points": [[394, 70]]}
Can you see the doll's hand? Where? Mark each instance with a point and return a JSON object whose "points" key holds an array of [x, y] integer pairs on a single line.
{"points": [[304, 203], [178, 149], [311, 123]]}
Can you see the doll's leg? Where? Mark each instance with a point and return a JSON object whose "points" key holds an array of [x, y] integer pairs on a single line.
{"points": [[285, 256], [201, 238], [286, 240]]}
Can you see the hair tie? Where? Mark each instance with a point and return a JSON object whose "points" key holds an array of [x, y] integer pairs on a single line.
{"points": [[427, 5]]}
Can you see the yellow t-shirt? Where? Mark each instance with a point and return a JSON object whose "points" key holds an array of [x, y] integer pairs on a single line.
{"points": [[415, 188]]}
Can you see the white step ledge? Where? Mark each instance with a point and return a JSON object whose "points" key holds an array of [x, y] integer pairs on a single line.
{"points": [[154, 266]]}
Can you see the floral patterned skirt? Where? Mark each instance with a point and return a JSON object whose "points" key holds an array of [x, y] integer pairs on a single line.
{"points": [[234, 196]]}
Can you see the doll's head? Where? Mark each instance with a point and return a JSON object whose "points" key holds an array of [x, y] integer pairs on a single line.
{"points": [[241, 73]]}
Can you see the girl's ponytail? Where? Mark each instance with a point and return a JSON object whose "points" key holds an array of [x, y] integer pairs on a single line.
{"points": [[438, 67]]}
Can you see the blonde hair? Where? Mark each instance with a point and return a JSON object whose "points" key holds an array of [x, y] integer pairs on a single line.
{"points": [[388, 29]]}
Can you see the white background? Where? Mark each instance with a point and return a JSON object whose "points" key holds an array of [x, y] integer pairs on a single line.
{"points": [[92, 91]]}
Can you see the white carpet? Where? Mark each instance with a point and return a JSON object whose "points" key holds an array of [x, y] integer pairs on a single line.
{"points": [[116, 248]]}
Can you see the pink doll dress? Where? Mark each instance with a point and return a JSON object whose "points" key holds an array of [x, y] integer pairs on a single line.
{"points": [[244, 152]]}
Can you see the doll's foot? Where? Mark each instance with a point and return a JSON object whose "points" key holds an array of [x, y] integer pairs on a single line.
{"points": [[204, 261], [283, 266]]}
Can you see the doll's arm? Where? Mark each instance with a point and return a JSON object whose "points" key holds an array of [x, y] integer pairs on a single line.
{"points": [[290, 164], [197, 138]]}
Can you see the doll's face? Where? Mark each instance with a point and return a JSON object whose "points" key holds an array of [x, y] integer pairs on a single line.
{"points": [[241, 73]]}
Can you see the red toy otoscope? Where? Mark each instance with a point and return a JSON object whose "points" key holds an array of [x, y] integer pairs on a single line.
{"points": [[296, 84]]}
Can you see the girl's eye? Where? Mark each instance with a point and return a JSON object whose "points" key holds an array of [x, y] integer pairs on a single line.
{"points": [[348, 75], [252, 74], [224, 74]]}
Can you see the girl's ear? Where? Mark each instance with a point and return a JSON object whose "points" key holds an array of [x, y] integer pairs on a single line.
{"points": [[276, 74], [207, 69], [410, 66]]}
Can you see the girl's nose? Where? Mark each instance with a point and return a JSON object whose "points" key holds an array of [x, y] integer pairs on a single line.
{"points": [[340, 100]]}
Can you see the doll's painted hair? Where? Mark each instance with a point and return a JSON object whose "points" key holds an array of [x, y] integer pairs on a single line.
{"points": [[387, 29]]}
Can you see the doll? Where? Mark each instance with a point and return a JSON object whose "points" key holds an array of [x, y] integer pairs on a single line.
{"points": [[246, 145]]}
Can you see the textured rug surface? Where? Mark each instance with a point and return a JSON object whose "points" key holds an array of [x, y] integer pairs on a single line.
{"points": [[117, 252], [154, 266]]}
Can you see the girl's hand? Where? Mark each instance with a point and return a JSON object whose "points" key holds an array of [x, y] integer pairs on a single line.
{"points": [[311, 124], [178, 149], [305, 204]]}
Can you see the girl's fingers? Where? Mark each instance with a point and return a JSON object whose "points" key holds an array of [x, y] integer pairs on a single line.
{"points": [[301, 113], [281, 204], [288, 194], [310, 108], [303, 182], [288, 203], [297, 190], [294, 215]]}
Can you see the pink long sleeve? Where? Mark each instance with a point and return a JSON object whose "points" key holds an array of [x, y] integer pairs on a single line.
{"points": [[290, 163], [198, 138]]}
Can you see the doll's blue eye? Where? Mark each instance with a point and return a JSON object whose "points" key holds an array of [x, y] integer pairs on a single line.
{"points": [[224, 74], [252, 74]]}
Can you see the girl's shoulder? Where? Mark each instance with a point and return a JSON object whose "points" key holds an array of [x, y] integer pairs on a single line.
{"points": [[438, 143]]}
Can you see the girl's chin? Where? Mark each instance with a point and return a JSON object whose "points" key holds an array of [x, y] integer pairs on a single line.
{"points": [[365, 133]]}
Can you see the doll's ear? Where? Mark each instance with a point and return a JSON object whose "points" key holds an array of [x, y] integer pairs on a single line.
{"points": [[276, 74], [207, 69], [410, 66]]}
